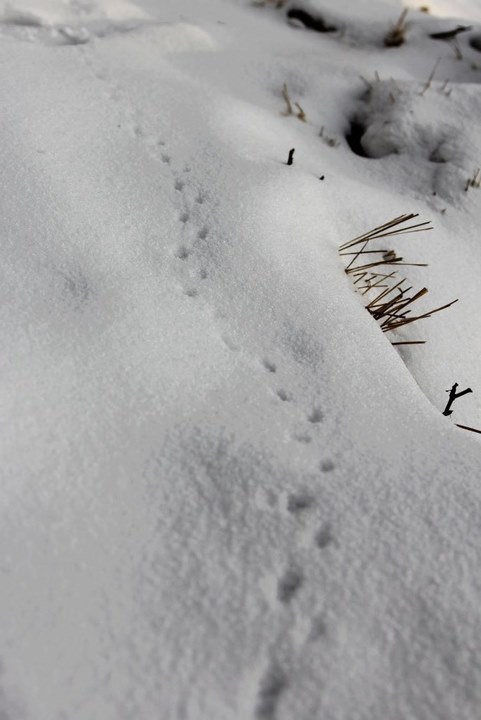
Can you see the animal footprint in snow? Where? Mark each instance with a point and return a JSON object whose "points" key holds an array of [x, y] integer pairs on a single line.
{"points": [[303, 438], [298, 502], [184, 217], [202, 234], [165, 158], [182, 253], [191, 292], [272, 685], [324, 537], [284, 395], [315, 416], [73, 36], [179, 185], [203, 274], [76, 287], [326, 466], [199, 199], [318, 629], [269, 365], [289, 584], [231, 344]]}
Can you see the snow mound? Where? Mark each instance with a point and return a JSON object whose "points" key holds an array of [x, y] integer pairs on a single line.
{"points": [[54, 12], [224, 495], [58, 24], [422, 123]]}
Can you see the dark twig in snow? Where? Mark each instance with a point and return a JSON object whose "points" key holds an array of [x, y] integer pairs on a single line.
{"points": [[312, 22], [409, 342], [450, 34], [474, 181], [290, 159], [465, 427], [453, 395]]}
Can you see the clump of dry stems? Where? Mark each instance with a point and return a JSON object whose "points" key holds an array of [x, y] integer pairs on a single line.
{"points": [[390, 298], [474, 181], [397, 35], [431, 77], [300, 114]]}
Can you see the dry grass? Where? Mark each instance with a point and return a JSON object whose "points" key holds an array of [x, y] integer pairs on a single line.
{"points": [[391, 300], [431, 77], [397, 35], [330, 140], [300, 114], [474, 181]]}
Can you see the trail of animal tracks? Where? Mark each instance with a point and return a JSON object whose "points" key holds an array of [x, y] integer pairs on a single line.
{"points": [[225, 495]]}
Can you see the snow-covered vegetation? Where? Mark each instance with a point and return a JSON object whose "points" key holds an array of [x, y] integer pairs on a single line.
{"points": [[226, 494]]}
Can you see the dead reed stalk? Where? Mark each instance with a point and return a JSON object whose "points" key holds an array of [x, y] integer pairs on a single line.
{"points": [[392, 303]]}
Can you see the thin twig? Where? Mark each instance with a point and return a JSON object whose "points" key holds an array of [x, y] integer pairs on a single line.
{"points": [[409, 342], [285, 95], [301, 115], [431, 77], [465, 427]]}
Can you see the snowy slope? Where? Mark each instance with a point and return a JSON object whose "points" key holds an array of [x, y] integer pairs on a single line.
{"points": [[225, 495]]}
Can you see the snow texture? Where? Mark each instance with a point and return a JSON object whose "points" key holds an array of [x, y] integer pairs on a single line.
{"points": [[225, 495]]}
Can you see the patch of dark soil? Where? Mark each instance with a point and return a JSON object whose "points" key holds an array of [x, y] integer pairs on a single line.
{"points": [[354, 138], [313, 22]]}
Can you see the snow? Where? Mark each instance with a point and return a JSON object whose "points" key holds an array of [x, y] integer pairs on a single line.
{"points": [[225, 494]]}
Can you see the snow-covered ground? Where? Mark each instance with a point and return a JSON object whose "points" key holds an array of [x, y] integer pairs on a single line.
{"points": [[224, 494]]}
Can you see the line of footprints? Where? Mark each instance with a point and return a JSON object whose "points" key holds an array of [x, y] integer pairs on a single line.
{"points": [[159, 151], [275, 679], [185, 250], [314, 417], [192, 235]]}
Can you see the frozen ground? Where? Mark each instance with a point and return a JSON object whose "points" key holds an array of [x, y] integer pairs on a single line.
{"points": [[225, 495]]}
